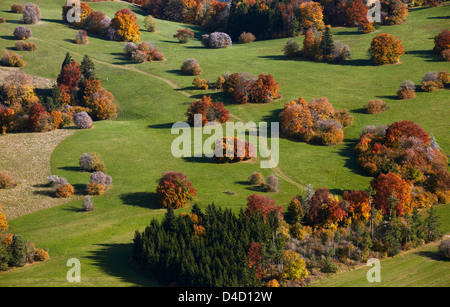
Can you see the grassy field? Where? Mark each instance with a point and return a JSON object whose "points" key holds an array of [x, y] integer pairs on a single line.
{"points": [[136, 146]]}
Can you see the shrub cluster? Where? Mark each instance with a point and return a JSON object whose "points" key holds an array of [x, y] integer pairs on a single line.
{"points": [[98, 184], [442, 44], [210, 111], [91, 162], [407, 90], [143, 52], [246, 88], [433, 81], [404, 148], [233, 149], [11, 59], [26, 46], [123, 27], [316, 122], [7, 180]]}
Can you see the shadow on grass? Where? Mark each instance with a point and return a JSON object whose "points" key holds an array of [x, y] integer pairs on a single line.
{"points": [[428, 55], [115, 260], [60, 21], [432, 255], [141, 199], [178, 72], [348, 152], [390, 97], [121, 58], [357, 62], [70, 168], [250, 187], [8, 37], [359, 111], [202, 159], [161, 126]]}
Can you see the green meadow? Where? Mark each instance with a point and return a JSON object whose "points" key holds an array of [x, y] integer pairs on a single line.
{"points": [[136, 146]]}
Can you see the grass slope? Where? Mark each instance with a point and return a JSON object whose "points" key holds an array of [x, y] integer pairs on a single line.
{"points": [[152, 96]]}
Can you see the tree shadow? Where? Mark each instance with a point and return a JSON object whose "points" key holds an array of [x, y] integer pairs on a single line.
{"points": [[48, 192], [351, 62], [60, 21], [178, 72], [80, 189], [161, 126], [70, 168], [14, 21], [8, 37], [197, 47], [347, 150], [141, 199], [390, 97], [279, 57], [348, 33], [121, 58], [272, 116], [115, 260], [359, 111], [432, 255], [428, 55], [439, 17], [202, 159]]}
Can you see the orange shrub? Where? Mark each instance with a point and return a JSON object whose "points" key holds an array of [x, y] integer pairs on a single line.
{"points": [[209, 110], [375, 106], [232, 149], [64, 191], [3, 222], [311, 15], [356, 13], [442, 41], [95, 188], [41, 255], [386, 49]]}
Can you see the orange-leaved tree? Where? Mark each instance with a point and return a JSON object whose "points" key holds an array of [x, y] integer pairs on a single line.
{"points": [[125, 24]]}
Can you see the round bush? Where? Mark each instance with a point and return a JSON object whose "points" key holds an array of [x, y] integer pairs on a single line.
{"points": [[246, 37], [97, 22], [81, 37], [191, 67], [291, 49], [174, 190], [216, 40], [22, 32], [88, 204], [17, 8], [375, 106], [91, 162], [64, 191], [82, 120], [31, 14], [406, 90], [7, 180], [386, 49]]}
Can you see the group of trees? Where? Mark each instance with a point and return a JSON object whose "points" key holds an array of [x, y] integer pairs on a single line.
{"points": [[14, 251], [405, 155], [267, 19], [216, 248], [123, 27], [316, 122]]}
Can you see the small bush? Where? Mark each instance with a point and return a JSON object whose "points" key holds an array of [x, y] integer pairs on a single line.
{"points": [[91, 162], [22, 32], [81, 37], [41, 255], [271, 183], [341, 52], [26, 46], [87, 204], [407, 90], [7, 180], [191, 67], [211, 111], [246, 37], [291, 49], [232, 149], [183, 35], [2, 20], [256, 179], [174, 190], [375, 106], [100, 178], [445, 55], [11, 59], [64, 191], [139, 56], [31, 13], [17, 8], [444, 249], [93, 189], [216, 40], [201, 84], [149, 23], [54, 181], [82, 120]]}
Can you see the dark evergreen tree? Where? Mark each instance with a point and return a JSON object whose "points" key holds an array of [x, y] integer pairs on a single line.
{"points": [[67, 60], [432, 226], [87, 67], [17, 252], [326, 44]]}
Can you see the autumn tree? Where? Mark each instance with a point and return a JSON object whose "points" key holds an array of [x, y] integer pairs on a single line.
{"points": [[210, 111], [174, 190], [311, 15], [262, 204], [294, 267], [386, 49], [356, 13], [125, 25]]}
